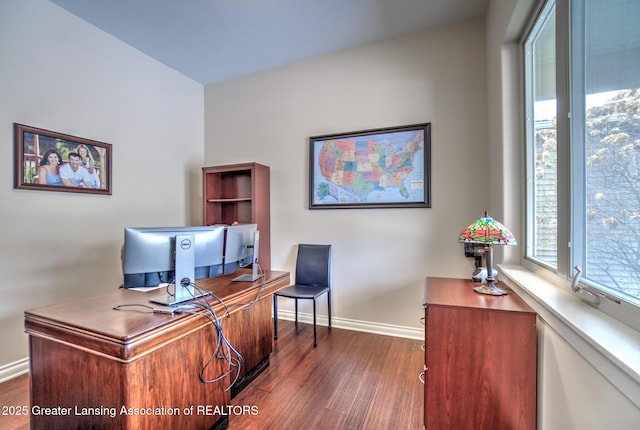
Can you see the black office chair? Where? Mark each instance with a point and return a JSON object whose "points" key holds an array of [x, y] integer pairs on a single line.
{"points": [[313, 279]]}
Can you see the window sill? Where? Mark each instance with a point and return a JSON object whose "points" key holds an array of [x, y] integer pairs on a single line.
{"points": [[610, 346]]}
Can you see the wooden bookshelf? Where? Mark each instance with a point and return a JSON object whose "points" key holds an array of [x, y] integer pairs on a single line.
{"points": [[239, 194]]}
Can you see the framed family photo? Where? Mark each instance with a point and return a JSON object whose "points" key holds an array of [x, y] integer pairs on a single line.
{"points": [[50, 161], [379, 168]]}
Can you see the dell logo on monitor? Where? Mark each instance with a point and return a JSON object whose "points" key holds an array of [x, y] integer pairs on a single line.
{"points": [[185, 244]]}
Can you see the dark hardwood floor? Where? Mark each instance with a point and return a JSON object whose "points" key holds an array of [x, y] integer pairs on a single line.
{"points": [[14, 394], [352, 380]]}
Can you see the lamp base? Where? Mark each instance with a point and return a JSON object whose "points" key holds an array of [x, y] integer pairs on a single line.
{"points": [[479, 275], [491, 289]]}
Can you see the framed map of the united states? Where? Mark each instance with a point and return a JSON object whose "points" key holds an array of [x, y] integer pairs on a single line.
{"points": [[385, 167]]}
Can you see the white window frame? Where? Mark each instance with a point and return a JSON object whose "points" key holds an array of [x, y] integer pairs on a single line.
{"points": [[569, 158]]}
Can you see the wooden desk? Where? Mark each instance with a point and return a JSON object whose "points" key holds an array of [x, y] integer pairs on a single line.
{"points": [[480, 359], [89, 361]]}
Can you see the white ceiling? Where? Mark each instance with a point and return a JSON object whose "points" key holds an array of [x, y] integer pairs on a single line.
{"points": [[214, 40]]}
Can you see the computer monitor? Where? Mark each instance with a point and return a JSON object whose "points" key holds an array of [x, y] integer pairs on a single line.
{"points": [[241, 250], [151, 257]]}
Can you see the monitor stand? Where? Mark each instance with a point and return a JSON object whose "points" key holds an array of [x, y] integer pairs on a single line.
{"points": [[248, 277], [185, 262], [253, 276], [172, 300]]}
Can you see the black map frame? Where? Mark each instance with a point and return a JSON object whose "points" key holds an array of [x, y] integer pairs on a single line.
{"points": [[348, 166]]}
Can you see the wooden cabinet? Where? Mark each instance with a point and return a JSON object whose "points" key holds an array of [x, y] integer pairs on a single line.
{"points": [[239, 193], [480, 359]]}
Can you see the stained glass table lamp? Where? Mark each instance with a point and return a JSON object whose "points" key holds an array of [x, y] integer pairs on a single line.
{"points": [[489, 232]]}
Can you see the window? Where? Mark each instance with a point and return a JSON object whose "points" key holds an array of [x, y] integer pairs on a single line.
{"points": [[583, 142], [540, 57]]}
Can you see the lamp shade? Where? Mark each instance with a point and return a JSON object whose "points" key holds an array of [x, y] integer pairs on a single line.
{"points": [[487, 230]]}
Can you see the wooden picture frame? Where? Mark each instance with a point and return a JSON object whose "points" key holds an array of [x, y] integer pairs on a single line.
{"points": [[379, 168], [83, 166]]}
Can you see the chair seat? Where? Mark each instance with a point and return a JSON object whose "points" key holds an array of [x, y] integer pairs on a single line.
{"points": [[298, 291]]}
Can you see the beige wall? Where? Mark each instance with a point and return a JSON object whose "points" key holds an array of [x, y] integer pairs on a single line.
{"points": [[60, 73], [381, 256]]}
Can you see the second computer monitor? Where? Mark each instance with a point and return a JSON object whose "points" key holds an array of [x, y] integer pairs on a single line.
{"points": [[241, 250]]}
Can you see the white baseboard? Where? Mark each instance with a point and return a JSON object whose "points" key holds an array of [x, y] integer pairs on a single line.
{"points": [[356, 325], [13, 370]]}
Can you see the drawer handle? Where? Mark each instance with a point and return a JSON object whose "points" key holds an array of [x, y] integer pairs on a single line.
{"points": [[422, 320], [421, 377], [422, 347]]}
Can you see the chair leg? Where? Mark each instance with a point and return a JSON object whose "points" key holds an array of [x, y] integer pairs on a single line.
{"points": [[296, 312], [315, 343], [275, 317], [329, 307]]}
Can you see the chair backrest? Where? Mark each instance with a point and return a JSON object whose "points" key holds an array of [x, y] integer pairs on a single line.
{"points": [[313, 265]]}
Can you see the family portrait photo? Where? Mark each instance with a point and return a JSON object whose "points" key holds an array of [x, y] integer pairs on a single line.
{"points": [[51, 161]]}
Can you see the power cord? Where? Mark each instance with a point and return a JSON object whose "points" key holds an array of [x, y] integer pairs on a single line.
{"points": [[224, 350], [249, 305], [149, 309]]}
